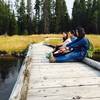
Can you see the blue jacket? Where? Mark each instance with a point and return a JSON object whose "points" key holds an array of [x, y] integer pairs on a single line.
{"points": [[73, 38], [79, 45]]}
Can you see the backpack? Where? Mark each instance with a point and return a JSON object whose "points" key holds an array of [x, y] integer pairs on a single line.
{"points": [[90, 50]]}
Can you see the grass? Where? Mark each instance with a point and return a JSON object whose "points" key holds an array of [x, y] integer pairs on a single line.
{"points": [[10, 44], [54, 41], [95, 39], [17, 43]]}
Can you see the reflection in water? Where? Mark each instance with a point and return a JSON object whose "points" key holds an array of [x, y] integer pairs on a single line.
{"points": [[9, 68]]}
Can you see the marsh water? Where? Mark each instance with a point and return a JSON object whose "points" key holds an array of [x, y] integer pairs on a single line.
{"points": [[9, 69]]}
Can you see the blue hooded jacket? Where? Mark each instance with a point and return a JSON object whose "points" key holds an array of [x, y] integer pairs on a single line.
{"points": [[79, 45]]}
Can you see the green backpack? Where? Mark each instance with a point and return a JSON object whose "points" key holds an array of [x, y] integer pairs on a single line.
{"points": [[90, 49]]}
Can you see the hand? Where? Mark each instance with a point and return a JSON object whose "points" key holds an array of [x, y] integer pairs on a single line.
{"points": [[67, 48], [62, 49]]}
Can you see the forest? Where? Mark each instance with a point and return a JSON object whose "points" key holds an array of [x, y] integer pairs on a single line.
{"points": [[48, 16]]}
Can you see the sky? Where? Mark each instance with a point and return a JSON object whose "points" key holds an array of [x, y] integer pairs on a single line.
{"points": [[69, 4]]}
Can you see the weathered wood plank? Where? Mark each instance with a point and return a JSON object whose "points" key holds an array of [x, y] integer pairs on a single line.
{"points": [[61, 81], [65, 71], [73, 65], [71, 82], [69, 92], [61, 98]]}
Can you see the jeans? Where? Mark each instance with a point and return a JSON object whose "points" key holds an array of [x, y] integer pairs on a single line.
{"points": [[72, 56]]}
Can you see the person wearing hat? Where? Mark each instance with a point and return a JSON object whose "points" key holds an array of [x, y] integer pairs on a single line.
{"points": [[77, 49]]}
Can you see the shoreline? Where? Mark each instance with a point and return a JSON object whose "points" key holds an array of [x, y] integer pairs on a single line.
{"points": [[6, 55]]}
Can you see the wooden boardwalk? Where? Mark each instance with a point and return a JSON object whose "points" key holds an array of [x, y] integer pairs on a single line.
{"points": [[60, 81]]}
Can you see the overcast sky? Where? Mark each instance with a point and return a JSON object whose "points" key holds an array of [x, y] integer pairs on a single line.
{"points": [[69, 6]]}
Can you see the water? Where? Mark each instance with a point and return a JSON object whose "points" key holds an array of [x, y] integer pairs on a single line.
{"points": [[9, 69]]}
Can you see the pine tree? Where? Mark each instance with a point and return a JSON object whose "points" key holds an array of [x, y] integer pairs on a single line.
{"points": [[46, 15], [89, 15], [3, 17], [62, 17], [85, 14], [82, 13], [29, 16], [58, 15], [65, 22], [94, 17], [22, 18], [53, 17], [92, 25], [98, 16], [37, 15], [12, 24], [7, 19], [13, 28], [79, 15]]}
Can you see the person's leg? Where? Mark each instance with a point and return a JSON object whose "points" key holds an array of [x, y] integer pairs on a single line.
{"points": [[72, 56], [59, 54]]}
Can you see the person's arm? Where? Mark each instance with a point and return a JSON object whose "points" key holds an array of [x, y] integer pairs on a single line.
{"points": [[78, 43], [72, 42]]}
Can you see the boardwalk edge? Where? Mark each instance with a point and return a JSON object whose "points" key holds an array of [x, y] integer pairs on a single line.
{"points": [[92, 63], [19, 91]]}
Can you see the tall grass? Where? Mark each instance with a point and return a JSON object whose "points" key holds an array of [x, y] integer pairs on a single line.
{"points": [[95, 39], [17, 43]]}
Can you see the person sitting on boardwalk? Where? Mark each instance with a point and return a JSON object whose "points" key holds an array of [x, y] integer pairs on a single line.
{"points": [[70, 36], [78, 49], [56, 47], [66, 40]]}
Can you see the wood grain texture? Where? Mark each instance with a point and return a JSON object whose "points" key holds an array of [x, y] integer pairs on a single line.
{"points": [[61, 81]]}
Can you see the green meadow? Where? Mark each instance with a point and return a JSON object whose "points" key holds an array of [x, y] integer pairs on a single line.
{"points": [[10, 44]]}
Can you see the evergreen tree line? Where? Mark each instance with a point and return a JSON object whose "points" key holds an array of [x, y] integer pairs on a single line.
{"points": [[48, 16], [86, 13], [8, 23]]}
